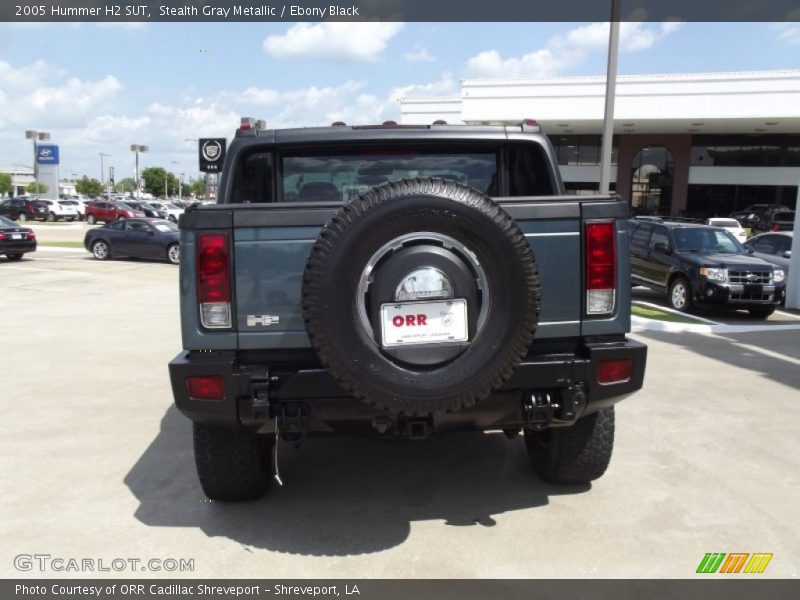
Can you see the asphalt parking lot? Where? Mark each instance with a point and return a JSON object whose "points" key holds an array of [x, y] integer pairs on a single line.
{"points": [[98, 464]]}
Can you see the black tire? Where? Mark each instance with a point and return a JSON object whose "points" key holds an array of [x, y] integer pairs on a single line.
{"points": [[91, 219], [761, 313], [174, 254], [352, 237], [14, 256], [232, 465], [674, 295], [577, 454], [101, 250]]}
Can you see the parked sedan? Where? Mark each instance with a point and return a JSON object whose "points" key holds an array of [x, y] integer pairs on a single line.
{"points": [[15, 240], [148, 210], [140, 238], [167, 210], [775, 247], [731, 225]]}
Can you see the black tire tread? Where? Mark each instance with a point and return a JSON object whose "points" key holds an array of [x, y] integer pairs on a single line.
{"points": [[313, 295], [232, 465], [577, 454]]}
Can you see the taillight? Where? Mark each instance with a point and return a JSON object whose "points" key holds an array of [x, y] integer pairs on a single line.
{"points": [[776, 227], [31, 236], [601, 267], [3, 236], [614, 371], [213, 280], [206, 388]]}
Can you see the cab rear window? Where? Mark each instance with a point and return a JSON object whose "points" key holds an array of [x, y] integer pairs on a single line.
{"points": [[343, 177]]}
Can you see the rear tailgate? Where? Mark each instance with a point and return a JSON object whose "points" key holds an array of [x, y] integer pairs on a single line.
{"points": [[271, 243]]}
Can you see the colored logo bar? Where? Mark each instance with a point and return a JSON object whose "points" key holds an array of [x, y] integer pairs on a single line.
{"points": [[734, 562]]}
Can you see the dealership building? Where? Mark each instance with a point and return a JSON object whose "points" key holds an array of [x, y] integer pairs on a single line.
{"points": [[692, 144]]}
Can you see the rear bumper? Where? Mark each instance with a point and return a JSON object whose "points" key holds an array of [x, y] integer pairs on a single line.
{"points": [[255, 395], [17, 246]]}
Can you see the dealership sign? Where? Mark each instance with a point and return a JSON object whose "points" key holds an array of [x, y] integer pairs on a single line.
{"points": [[212, 154], [47, 154]]}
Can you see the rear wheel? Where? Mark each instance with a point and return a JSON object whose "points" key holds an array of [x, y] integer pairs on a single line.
{"points": [[232, 465], [91, 220], [51, 217], [577, 454], [761, 313], [100, 250], [174, 254], [680, 295]]}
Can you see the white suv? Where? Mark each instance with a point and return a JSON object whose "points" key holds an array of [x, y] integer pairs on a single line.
{"points": [[58, 210]]}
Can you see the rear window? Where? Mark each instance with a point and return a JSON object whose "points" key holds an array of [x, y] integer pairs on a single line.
{"points": [[343, 177], [784, 216]]}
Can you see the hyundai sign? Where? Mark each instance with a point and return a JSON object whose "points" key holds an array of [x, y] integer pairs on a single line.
{"points": [[212, 154], [47, 154]]}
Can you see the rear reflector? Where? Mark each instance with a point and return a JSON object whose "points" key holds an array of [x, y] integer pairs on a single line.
{"points": [[213, 280], [614, 371], [601, 267], [206, 388]]}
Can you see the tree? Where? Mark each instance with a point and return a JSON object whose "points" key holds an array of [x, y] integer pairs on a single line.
{"points": [[126, 185], [5, 184], [36, 188], [197, 187], [153, 178], [89, 187]]}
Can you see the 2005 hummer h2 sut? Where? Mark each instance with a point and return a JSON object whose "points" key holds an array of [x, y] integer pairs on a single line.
{"points": [[401, 281]]}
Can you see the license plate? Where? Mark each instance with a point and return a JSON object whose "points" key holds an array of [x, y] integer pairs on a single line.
{"points": [[412, 323], [16, 236]]}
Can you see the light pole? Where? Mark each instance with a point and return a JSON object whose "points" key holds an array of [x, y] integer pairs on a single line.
{"points": [[137, 148], [175, 162], [41, 136], [102, 170]]}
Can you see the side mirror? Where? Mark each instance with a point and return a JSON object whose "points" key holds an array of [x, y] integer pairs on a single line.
{"points": [[787, 254], [661, 247]]}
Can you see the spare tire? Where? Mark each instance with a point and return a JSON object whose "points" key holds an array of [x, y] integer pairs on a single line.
{"points": [[402, 236]]}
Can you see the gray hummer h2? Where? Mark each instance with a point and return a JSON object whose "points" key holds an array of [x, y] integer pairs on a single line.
{"points": [[401, 281]]}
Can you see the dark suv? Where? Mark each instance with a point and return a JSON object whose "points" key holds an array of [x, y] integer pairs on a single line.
{"points": [[701, 265], [23, 209]]}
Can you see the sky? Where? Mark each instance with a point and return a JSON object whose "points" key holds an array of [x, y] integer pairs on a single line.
{"points": [[98, 88]]}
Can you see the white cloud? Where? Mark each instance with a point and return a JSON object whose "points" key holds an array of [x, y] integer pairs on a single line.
{"points": [[446, 86], [568, 50], [336, 42], [419, 55], [788, 32]]}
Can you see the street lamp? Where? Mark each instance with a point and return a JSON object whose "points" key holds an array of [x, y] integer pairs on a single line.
{"points": [[175, 162], [137, 148], [102, 170], [41, 136]]}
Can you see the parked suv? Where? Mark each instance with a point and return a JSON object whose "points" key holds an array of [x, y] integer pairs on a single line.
{"points": [[401, 282], [698, 265], [23, 209], [103, 210], [58, 210], [776, 220]]}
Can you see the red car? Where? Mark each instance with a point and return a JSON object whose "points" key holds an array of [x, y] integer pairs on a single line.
{"points": [[103, 210]]}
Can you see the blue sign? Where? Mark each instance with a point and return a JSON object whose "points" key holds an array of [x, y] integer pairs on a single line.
{"points": [[47, 154]]}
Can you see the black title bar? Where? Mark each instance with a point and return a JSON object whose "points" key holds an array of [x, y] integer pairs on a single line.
{"points": [[395, 10]]}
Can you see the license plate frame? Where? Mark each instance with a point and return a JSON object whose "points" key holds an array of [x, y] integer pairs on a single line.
{"points": [[446, 322]]}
